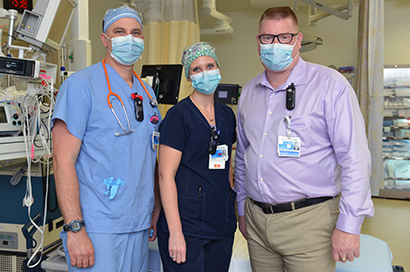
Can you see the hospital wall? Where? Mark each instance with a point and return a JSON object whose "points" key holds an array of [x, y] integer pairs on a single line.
{"points": [[97, 10], [237, 52], [239, 58]]}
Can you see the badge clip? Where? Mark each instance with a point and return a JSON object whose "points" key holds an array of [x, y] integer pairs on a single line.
{"points": [[139, 111], [290, 97]]}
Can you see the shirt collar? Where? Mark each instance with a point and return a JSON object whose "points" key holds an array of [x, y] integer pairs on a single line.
{"points": [[264, 81], [297, 77]]}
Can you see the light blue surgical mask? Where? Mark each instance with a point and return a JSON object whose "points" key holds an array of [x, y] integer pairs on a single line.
{"points": [[126, 50], [277, 56], [206, 81]]}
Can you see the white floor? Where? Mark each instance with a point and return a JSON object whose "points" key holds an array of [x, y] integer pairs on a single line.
{"points": [[391, 223]]}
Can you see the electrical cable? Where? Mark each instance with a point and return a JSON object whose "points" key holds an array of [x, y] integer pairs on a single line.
{"points": [[48, 138], [36, 127], [48, 204], [15, 179], [41, 246]]}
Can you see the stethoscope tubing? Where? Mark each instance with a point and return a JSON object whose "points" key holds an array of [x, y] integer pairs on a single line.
{"points": [[153, 102]]}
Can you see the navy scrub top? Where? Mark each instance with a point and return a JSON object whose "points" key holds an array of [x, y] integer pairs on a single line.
{"points": [[205, 199]]}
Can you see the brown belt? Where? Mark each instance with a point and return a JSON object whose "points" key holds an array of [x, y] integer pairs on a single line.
{"points": [[290, 206]]}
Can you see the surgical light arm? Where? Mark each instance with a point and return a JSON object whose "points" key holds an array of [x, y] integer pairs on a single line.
{"points": [[223, 25], [210, 11], [12, 16]]}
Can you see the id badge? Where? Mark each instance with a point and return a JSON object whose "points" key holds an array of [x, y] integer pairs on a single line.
{"points": [[155, 140], [217, 160], [288, 147]]}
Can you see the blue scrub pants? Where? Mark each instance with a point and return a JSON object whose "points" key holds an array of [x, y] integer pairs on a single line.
{"points": [[203, 255], [115, 252]]}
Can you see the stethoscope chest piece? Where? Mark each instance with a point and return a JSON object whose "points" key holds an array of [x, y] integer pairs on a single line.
{"points": [[153, 102]]}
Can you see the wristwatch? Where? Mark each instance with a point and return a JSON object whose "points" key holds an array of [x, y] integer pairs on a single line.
{"points": [[74, 226]]}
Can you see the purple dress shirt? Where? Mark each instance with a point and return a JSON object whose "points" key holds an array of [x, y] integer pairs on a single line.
{"points": [[334, 154]]}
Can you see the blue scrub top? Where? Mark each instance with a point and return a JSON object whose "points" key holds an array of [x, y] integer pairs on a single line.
{"points": [[128, 159], [206, 201]]}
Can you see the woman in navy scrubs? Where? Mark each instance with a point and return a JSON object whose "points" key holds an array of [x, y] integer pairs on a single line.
{"points": [[197, 224]]}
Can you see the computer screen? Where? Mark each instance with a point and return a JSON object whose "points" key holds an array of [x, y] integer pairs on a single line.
{"points": [[166, 80]]}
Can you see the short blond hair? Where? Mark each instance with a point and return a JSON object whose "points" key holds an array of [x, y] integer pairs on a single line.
{"points": [[279, 13]]}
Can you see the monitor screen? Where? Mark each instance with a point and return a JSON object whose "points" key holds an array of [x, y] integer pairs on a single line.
{"points": [[12, 66], [227, 93], [3, 117], [166, 80]]}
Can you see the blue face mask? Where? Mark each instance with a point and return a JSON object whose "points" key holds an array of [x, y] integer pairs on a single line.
{"points": [[277, 56], [206, 81], [126, 50]]}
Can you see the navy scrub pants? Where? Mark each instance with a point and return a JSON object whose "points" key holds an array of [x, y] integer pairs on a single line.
{"points": [[203, 255]]}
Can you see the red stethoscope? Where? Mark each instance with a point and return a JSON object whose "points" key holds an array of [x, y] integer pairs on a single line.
{"points": [[153, 102]]}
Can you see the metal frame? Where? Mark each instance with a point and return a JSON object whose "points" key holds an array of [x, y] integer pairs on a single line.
{"points": [[342, 11]]}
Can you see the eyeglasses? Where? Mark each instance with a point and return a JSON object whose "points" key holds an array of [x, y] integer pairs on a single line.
{"points": [[284, 38], [214, 141]]}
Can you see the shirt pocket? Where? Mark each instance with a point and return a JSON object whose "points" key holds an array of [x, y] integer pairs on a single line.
{"points": [[300, 127]]}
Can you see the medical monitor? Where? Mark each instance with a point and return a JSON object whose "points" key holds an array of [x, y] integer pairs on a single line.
{"points": [[165, 80], [19, 67], [11, 119], [227, 93]]}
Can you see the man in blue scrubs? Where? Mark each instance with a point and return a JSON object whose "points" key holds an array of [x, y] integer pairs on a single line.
{"points": [[104, 155]]}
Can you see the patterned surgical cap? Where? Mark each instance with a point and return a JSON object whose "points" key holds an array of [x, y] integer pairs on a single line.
{"points": [[195, 51]]}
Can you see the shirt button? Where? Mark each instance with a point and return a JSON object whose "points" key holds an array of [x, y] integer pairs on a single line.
{"points": [[265, 133], [261, 179], [260, 156], [270, 112]]}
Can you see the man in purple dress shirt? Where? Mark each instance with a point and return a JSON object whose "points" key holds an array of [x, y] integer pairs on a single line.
{"points": [[302, 160]]}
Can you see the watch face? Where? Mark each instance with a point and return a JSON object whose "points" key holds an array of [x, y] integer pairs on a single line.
{"points": [[76, 225]]}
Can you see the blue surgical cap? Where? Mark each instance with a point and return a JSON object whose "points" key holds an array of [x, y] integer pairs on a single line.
{"points": [[115, 14]]}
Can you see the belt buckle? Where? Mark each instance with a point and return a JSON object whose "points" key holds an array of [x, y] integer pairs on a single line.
{"points": [[267, 207], [271, 208]]}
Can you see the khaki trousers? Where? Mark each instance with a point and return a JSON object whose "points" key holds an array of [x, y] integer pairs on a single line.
{"points": [[295, 241]]}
